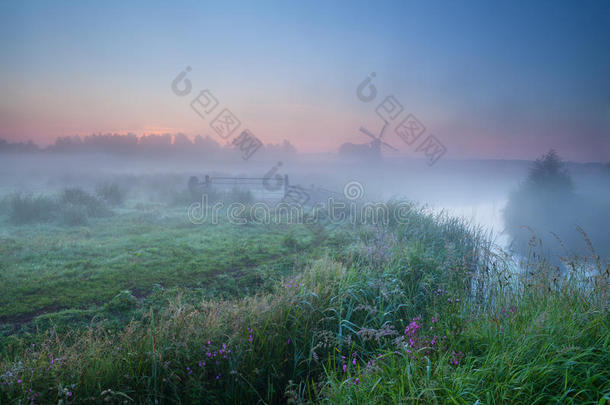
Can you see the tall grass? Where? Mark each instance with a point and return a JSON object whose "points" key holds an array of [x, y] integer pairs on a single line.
{"points": [[417, 311]]}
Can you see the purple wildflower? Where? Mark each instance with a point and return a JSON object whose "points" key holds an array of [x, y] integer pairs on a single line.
{"points": [[411, 329]]}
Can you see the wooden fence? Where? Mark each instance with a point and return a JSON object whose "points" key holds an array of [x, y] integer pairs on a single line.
{"points": [[266, 189]]}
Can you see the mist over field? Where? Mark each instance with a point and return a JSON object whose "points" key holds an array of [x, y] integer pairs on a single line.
{"points": [[99, 239], [477, 190], [304, 202]]}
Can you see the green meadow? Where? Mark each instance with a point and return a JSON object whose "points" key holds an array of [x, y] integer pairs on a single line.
{"points": [[127, 301]]}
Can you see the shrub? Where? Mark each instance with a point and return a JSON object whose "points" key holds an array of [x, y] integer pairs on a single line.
{"points": [[111, 193], [24, 209], [77, 196]]}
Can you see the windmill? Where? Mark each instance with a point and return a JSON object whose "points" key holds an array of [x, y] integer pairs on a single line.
{"points": [[371, 150]]}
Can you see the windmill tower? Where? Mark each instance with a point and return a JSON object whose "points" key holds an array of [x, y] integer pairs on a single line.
{"points": [[369, 151], [377, 142]]}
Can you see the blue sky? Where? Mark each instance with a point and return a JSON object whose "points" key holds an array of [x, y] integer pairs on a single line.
{"points": [[491, 79]]}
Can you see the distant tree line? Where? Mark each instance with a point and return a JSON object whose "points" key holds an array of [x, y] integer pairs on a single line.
{"points": [[18, 147], [129, 144]]}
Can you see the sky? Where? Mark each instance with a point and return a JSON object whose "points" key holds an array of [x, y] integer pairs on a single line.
{"points": [[506, 80]]}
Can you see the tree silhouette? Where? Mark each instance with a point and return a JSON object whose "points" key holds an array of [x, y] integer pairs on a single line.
{"points": [[545, 202], [549, 173]]}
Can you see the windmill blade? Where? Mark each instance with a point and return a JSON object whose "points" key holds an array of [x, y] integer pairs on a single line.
{"points": [[383, 129], [366, 131], [389, 146]]}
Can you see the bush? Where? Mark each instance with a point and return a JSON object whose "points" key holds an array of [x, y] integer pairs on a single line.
{"points": [[111, 193], [77, 196], [24, 209]]}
